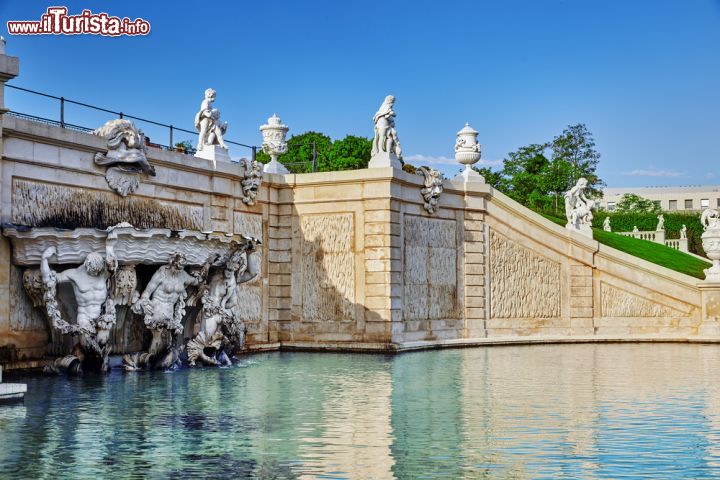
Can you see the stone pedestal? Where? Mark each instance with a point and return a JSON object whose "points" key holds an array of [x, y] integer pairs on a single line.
{"points": [[214, 153], [710, 325], [581, 228], [384, 160], [469, 175], [660, 236], [273, 166]]}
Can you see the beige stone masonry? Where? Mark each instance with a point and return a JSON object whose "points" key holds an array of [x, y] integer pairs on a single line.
{"points": [[351, 260]]}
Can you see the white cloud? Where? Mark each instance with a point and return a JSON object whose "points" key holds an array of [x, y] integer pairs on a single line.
{"points": [[710, 175], [430, 160], [654, 172]]}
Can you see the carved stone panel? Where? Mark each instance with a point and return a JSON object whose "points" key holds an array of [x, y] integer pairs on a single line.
{"points": [[523, 284], [22, 314], [430, 271], [616, 302], [250, 293], [327, 268]]}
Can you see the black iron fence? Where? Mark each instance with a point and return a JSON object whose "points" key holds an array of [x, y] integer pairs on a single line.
{"points": [[294, 147], [63, 123]]}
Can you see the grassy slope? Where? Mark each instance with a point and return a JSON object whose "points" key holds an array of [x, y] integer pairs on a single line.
{"points": [[650, 251]]}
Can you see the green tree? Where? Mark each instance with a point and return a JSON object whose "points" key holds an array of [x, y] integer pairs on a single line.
{"points": [[576, 146], [523, 174], [631, 203], [350, 153], [555, 182], [300, 151], [492, 177]]}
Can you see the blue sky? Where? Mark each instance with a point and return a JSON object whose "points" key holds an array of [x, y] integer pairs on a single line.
{"points": [[644, 76]]}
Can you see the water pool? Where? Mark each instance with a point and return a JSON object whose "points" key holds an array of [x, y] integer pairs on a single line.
{"points": [[551, 411]]}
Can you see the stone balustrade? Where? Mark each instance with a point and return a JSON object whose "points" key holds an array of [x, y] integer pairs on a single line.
{"points": [[658, 236]]}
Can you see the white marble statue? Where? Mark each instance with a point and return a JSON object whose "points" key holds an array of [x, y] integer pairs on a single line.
{"points": [[710, 220], [386, 149], [606, 225], [162, 306], [635, 229], [683, 232], [661, 223], [95, 307], [207, 123], [578, 208], [221, 328]]}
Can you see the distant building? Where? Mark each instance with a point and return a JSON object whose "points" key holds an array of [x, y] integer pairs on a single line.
{"points": [[670, 199]]}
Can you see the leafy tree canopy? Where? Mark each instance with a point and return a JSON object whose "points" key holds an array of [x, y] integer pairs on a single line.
{"points": [[538, 175], [349, 153], [631, 203]]}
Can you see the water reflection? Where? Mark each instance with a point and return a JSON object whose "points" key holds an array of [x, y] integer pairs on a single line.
{"points": [[567, 411]]}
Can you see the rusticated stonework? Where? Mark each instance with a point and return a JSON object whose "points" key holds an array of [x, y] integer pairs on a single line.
{"points": [[37, 204], [250, 293], [430, 269], [327, 267], [616, 302], [523, 284]]}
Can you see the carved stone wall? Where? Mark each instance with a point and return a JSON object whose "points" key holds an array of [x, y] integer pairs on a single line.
{"points": [[523, 284], [616, 302], [325, 282], [250, 293], [430, 269], [22, 314]]}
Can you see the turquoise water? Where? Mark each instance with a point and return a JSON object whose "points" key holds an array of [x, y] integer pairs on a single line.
{"points": [[563, 411]]}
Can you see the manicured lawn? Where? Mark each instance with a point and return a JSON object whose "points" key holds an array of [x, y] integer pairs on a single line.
{"points": [[650, 251]]}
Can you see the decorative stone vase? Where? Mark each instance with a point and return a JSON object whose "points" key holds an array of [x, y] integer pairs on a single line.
{"points": [[467, 152], [274, 144], [711, 245]]}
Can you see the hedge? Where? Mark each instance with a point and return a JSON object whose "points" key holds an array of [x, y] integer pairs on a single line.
{"points": [[624, 222]]}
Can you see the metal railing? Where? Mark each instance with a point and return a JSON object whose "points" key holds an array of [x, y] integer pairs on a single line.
{"points": [[63, 124]]}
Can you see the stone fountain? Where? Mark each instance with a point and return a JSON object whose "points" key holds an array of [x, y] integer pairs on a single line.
{"points": [[83, 279]]}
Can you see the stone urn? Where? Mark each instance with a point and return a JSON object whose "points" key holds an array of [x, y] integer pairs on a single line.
{"points": [[710, 220], [274, 144], [467, 152]]}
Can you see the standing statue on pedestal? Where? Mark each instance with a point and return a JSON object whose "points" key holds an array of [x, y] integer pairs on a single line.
{"points": [[606, 225], [211, 145], [661, 222], [95, 308], [207, 122], [221, 328], [683, 232], [386, 151], [162, 305], [578, 209]]}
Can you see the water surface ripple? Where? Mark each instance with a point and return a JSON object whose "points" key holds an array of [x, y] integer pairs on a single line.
{"points": [[557, 411]]}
